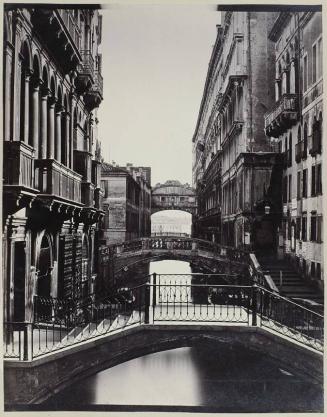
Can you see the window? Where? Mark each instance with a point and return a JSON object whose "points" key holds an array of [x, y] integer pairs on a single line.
{"points": [[316, 184], [289, 187], [304, 227], [319, 56], [319, 229], [314, 64], [313, 181], [305, 183], [313, 228], [284, 189], [290, 149], [298, 228], [313, 270], [298, 188], [318, 179], [305, 73], [318, 271], [305, 141]]}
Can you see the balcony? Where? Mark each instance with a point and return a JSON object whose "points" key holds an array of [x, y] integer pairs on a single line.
{"points": [[283, 115], [56, 180], [18, 175], [94, 95], [85, 77], [60, 30], [300, 151], [18, 164]]}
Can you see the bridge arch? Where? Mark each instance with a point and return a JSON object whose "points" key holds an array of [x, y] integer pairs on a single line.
{"points": [[86, 360], [171, 222]]}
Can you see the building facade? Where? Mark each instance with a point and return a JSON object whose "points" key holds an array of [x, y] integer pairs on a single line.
{"points": [[295, 122], [51, 164], [126, 203], [239, 89]]}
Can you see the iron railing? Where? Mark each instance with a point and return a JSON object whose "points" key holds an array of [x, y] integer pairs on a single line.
{"points": [[192, 298]]}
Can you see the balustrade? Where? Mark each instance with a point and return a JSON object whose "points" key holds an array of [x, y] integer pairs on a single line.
{"points": [[18, 164], [283, 115], [55, 179]]}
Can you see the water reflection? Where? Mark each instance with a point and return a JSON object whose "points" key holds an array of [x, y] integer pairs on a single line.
{"points": [[203, 376]]}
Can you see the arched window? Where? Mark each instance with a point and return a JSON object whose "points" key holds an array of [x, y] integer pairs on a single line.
{"points": [[299, 134], [316, 136], [290, 145], [75, 130], [24, 93], [305, 140]]}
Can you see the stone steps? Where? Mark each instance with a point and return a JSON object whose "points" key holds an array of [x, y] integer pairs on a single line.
{"points": [[293, 286]]}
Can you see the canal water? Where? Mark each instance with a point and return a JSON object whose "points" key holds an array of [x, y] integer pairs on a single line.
{"points": [[201, 377]]}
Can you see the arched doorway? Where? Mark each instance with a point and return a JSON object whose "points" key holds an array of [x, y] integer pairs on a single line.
{"points": [[85, 268], [43, 290]]}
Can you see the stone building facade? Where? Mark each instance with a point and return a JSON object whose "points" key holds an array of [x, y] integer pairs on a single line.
{"points": [[126, 203], [51, 166], [295, 122], [230, 129]]}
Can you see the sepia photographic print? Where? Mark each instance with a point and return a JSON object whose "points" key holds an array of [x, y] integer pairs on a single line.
{"points": [[162, 207]]}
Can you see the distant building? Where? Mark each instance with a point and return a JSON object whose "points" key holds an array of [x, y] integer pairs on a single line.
{"points": [[126, 202], [295, 121]]}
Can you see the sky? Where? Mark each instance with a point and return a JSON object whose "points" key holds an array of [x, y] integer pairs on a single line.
{"points": [[155, 60]]}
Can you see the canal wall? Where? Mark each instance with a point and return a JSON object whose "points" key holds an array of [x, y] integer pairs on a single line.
{"points": [[36, 381]]}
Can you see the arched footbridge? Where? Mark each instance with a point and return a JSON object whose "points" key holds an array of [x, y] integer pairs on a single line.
{"points": [[64, 344], [116, 258]]}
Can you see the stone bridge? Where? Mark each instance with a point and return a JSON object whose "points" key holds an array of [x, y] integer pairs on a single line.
{"points": [[172, 195], [163, 315], [116, 259]]}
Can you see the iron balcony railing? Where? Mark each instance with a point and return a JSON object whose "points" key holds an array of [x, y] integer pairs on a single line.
{"points": [[191, 298], [282, 116], [287, 103]]}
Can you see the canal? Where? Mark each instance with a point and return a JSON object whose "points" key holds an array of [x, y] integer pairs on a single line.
{"points": [[201, 377]]}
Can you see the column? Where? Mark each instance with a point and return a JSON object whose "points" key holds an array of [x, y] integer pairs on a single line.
{"points": [[292, 77], [71, 135], [67, 126], [51, 128], [277, 90], [26, 106], [58, 133], [44, 124], [7, 91], [35, 114]]}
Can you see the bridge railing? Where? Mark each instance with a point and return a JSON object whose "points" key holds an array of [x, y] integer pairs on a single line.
{"points": [[173, 298], [180, 243]]}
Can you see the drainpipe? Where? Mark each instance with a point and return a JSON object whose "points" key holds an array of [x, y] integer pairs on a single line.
{"points": [[249, 65]]}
